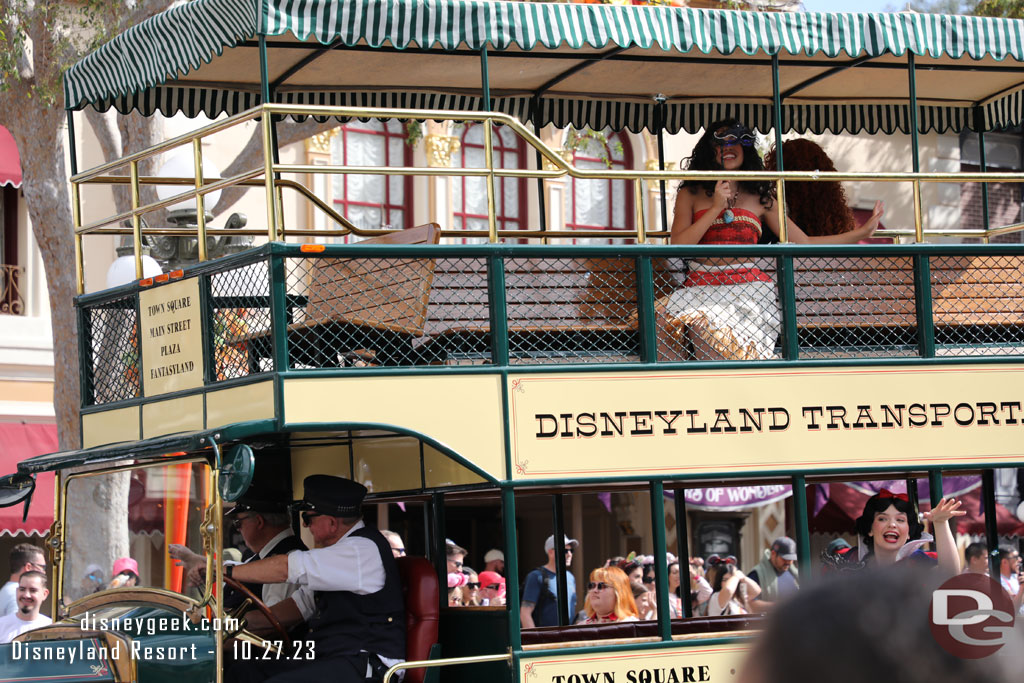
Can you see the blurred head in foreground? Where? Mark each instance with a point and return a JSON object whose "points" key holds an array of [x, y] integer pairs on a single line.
{"points": [[865, 627]]}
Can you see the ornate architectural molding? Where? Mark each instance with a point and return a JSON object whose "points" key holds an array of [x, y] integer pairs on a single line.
{"points": [[440, 149], [566, 154], [321, 142]]}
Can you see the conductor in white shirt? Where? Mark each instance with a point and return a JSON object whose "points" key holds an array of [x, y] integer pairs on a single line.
{"points": [[350, 592]]}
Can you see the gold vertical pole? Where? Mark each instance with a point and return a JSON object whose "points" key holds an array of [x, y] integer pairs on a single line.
{"points": [[638, 199], [780, 194], [136, 220], [268, 175], [197, 160], [918, 222], [218, 543], [492, 224], [76, 213]]}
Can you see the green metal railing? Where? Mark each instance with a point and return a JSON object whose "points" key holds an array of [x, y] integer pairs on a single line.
{"points": [[389, 308], [552, 166]]}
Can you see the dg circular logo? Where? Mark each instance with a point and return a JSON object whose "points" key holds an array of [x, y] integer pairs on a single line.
{"points": [[971, 616]]}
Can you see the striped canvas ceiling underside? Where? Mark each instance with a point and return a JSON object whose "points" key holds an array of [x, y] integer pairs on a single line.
{"points": [[160, 64]]}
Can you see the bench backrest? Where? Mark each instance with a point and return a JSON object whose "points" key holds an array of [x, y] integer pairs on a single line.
{"points": [[390, 293], [876, 292], [540, 294]]}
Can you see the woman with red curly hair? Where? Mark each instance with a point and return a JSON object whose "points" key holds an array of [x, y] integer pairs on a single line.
{"points": [[609, 597], [819, 208]]}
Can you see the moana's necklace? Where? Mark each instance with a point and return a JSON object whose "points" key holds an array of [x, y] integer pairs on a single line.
{"points": [[727, 215]]}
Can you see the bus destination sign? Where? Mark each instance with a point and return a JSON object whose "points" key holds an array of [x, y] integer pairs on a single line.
{"points": [[172, 349]]}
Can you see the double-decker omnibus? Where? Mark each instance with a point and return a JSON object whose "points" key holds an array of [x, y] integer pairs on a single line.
{"points": [[517, 387]]}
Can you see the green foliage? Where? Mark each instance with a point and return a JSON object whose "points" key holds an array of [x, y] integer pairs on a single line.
{"points": [[1011, 9], [413, 133], [594, 142], [40, 39]]}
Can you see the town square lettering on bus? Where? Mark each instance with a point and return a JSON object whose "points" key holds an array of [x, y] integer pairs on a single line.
{"points": [[681, 674], [812, 418], [171, 338]]}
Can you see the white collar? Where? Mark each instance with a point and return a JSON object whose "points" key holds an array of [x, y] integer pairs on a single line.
{"points": [[355, 527], [272, 543]]}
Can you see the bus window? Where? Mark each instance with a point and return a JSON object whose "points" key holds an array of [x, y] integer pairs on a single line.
{"points": [[151, 507], [724, 537]]}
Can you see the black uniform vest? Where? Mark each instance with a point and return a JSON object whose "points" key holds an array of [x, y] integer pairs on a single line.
{"points": [[346, 623], [233, 598]]}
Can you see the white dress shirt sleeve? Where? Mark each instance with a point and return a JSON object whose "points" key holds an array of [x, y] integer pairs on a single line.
{"points": [[351, 564]]}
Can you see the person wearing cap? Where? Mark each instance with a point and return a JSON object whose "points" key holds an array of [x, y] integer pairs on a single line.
{"points": [[494, 561], [264, 523], [492, 588], [125, 573], [350, 592], [539, 605], [776, 574], [93, 581]]}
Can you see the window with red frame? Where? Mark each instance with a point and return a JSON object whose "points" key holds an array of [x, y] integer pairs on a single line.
{"points": [[469, 194], [602, 204], [372, 201]]}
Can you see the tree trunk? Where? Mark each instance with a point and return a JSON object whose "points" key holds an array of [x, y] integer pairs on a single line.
{"points": [[40, 139]]}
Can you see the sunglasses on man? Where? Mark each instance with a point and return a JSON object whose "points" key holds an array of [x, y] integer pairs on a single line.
{"points": [[308, 517]]}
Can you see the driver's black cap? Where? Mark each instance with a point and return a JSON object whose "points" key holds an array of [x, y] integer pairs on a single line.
{"points": [[331, 495], [260, 499]]}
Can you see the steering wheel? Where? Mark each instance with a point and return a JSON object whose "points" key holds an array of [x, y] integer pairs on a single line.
{"points": [[250, 598]]}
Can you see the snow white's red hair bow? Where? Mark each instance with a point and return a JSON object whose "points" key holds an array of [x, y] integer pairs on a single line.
{"points": [[886, 493]]}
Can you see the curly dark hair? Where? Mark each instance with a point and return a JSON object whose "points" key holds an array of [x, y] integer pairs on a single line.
{"points": [[876, 504], [703, 159], [819, 208]]}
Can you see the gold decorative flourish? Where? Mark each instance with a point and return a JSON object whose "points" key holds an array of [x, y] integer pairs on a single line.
{"points": [[528, 671], [321, 142], [517, 386], [521, 466], [440, 149], [99, 669], [566, 154]]}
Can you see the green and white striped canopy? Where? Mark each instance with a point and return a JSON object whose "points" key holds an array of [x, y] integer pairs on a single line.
{"points": [[581, 65]]}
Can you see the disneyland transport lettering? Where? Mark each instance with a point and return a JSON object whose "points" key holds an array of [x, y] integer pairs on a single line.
{"points": [[677, 422]]}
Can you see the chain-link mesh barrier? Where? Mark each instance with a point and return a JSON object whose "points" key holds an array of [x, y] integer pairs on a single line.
{"points": [[111, 340], [855, 307], [240, 322], [716, 309], [458, 327], [978, 305], [572, 310], [417, 311], [357, 311]]}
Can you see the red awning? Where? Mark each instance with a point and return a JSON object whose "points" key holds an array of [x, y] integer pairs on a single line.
{"points": [[10, 161], [19, 440]]}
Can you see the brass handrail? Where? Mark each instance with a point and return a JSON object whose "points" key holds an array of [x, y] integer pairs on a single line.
{"points": [[268, 176], [450, 661]]}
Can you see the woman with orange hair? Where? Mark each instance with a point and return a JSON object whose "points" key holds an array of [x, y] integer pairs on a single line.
{"points": [[609, 597], [820, 208]]}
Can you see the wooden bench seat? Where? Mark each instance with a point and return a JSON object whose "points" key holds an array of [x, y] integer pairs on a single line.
{"points": [[871, 301], [561, 308], [373, 307]]}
